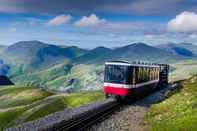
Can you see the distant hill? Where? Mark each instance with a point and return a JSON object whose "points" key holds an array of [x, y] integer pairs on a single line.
{"points": [[132, 52], [96, 55], [4, 80], [41, 55], [141, 51], [180, 49], [36, 53]]}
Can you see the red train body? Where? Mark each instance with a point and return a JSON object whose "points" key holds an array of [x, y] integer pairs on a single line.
{"points": [[124, 79]]}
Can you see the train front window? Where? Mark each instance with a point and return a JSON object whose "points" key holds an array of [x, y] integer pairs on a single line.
{"points": [[116, 74]]}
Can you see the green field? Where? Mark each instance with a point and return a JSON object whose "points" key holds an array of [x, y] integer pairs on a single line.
{"points": [[183, 70], [21, 104], [178, 112]]}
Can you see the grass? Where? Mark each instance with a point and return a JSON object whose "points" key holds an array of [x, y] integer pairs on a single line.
{"points": [[187, 67], [60, 76], [17, 96], [77, 99], [21, 104], [178, 112]]}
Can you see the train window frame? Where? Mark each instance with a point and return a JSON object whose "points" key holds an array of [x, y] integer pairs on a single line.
{"points": [[125, 74]]}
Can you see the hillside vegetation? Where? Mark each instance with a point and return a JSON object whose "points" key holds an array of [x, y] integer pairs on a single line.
{"points": [[183, 70], [178, 112], [64, 76], [35, 63], [21, 104]]}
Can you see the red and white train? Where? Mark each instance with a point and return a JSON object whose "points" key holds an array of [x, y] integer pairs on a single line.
{"points": [[123, 79]]}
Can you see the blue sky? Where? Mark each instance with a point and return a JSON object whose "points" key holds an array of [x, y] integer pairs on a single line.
{"points": [[88, 24]]}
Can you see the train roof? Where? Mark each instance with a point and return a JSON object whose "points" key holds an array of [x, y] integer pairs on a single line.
{"points": [[126, 63]]}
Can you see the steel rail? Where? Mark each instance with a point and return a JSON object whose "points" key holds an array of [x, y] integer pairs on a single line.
{"points": [[88, 118]]}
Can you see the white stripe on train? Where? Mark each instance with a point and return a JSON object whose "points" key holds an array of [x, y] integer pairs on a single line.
{"points": [[128, 64], [127, 86]]}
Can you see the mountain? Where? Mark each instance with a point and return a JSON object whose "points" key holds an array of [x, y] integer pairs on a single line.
{"points": [[38, 54], [4, 80], [141, 51], [63, 67], [181, 49], [132, 52], [96, 55]]}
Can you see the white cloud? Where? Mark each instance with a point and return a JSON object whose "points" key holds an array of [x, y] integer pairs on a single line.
{"points": [[59, 20], [184, 22], [89, 21]]}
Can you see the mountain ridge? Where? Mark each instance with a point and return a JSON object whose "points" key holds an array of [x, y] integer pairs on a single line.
{"points": [[57, 66], [37, 53], [180, 49]]}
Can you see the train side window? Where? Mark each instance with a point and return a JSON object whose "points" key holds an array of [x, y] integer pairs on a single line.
{"points": [[142, 74], [139, 75], [157, 73], [133, 75], [153, 73], [149, 78], [136, 75], [147, 74]]}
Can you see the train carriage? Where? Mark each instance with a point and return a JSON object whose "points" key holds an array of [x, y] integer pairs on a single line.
{"points": [[124, 79]]}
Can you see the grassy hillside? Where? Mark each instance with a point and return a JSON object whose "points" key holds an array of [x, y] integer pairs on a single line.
{"points": [[88, 76], [64, 76], [21, 104], [178, 112], [183, 70], [43, 76]]}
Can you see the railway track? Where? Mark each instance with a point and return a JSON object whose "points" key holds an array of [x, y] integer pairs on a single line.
{"points": [[86, 119]]}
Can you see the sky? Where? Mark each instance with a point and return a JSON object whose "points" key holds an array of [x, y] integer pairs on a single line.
{"points": [[92, 23]]}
